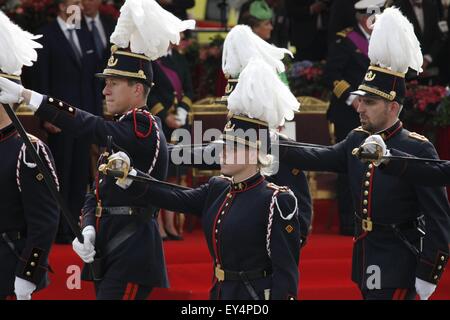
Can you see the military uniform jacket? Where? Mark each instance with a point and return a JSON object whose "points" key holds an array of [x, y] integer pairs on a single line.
{"points": [[423, 173], [286, 175], [386, 199], [295, 179], [140, 258], [162, 98], [29, 215], [345, 69], [242, 232]]}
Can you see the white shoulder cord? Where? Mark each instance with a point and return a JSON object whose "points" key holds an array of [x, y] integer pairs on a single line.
{"points": [[289, 216], [271, 211]]}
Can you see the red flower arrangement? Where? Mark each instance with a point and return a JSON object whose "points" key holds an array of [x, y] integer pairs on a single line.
{"points": [[424, 96]]}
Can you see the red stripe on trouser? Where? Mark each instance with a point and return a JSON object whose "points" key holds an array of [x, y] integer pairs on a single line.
{"points": [[403, 294], [126, 295], [11, 297], [396, 294], [134, 291]]}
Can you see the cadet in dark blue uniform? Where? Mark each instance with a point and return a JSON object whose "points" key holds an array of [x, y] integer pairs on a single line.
{"points": [[29, 218], [251, 226], [120, 224], [402, 230], [347, 63], [417, 172], [286, 175], [29, 215]]}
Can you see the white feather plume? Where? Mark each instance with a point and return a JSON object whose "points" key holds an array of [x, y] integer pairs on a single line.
{"points": [[260, 94], [393, 44], [147, 28], [17, 47], [241, 44]]}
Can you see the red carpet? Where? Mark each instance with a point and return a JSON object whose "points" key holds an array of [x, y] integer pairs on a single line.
{"points": [[324, 269]]}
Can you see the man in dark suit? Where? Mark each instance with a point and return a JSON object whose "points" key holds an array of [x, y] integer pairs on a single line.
{"points": [[100, 26], [65, 68], [424, 16], [342, 16]]}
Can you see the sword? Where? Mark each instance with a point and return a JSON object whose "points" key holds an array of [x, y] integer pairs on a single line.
{"points": [[285, 143], [122, 175], [357, 152]]}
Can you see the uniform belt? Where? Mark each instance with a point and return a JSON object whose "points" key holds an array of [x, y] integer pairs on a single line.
{"points": [[222, 275], [129, 211], [369, 225], [14, 235]]}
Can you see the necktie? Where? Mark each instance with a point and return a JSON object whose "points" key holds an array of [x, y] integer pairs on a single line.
{"points": [[97, 40], [74, 46]]}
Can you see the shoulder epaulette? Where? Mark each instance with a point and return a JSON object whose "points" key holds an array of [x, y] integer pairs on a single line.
{"points": [[360, 129], [273, 186], [225, 177], [345, 32], [417, 136], [32, 138]]}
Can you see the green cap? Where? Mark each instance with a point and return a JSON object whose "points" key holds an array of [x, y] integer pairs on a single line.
{"points": [[260, 10]]}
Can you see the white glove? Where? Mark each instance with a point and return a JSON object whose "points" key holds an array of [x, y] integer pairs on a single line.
{"points": [[23, 289], [124, 184], [121, 159], [10, 92], [181, 115], [85, 250], [424, 289], [375, 144]]}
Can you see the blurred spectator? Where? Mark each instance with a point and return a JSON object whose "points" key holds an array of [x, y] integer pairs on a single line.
{"points": [[170, 99], [424, 16], [280, 22], [65, 69], [342, 16], [100, 27], [257, 15], [308, 19], [444, 54]]}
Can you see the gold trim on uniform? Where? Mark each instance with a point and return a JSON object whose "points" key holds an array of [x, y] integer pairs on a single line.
{"points": [[388, 96], [417, 136], [397, 74], [362, 130], [187, 101], [10, 76], [251, 120], [252, 144], [345, 32], [113, 72], [134, 55], [370, 76], [157, 108], [340, 87]]}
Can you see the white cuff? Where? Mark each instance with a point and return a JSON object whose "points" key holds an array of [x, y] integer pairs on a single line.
{"points": [[35, 101], [428, 58]]}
